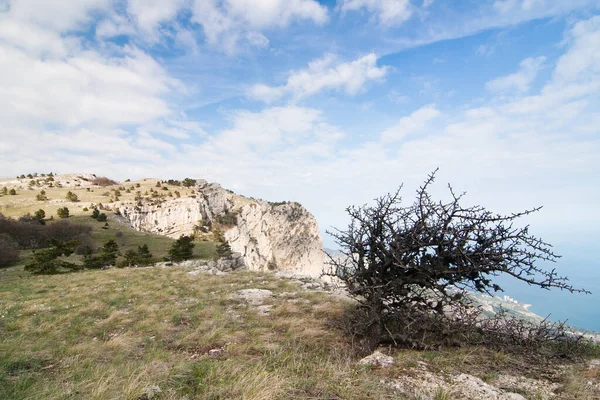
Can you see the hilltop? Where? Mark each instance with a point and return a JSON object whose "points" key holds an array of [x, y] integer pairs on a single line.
{"points": [[268, 236], [197, 330]]}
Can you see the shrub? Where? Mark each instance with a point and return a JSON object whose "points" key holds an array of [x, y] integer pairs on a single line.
{"points": [[411, 262], [12, 192], [29, 234], [107, 256], [39, 216], [41, 196], [9, 250], [63, 212], [95, 213], [103, 181], [4, 191], [46, 261], [72, 197], [141, 258], [228, 219], [224, 250], [188, 182], [182, 249]]}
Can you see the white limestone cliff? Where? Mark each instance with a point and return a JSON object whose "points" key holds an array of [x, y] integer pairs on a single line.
{"points": [[269, 236]]}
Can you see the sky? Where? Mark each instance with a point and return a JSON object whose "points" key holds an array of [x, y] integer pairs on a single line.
{"points": [[328, 103]]}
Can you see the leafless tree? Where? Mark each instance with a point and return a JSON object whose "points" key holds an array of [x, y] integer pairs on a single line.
{"points": [[426, 255]]}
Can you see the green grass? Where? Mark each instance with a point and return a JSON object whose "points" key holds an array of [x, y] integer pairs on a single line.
{"points": [[126, 237], [113, 334], [130, 239]]}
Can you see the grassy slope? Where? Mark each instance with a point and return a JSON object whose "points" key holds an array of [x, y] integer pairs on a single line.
{"points": [[130, 239], [113, 334], [25, 202]]}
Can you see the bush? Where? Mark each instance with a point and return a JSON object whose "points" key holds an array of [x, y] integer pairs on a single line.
{"points": [[101, 217], [47, 262], [39, 216], [12, 192], [4, 191], [188, 182], [224, 250], [63, 212], [422, 259], [29, 234], [141, 258], [182, 249], [228, 219], [103, 181], [72, 197], [9, 250], [41, 196], [108, 256]]}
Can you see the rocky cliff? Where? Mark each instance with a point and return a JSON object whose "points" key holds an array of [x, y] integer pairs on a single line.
{"points": [[269, 236]]}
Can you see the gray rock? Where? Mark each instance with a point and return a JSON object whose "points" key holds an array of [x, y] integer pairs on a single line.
{"points": [[254, 296], [377, 359], [216, 353]]}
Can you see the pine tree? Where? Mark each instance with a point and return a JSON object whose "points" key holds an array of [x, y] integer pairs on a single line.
{"points": [[182, 249]]}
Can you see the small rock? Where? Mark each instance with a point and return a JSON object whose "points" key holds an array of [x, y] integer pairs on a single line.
{"points": [[151, 392], [378, 359], [254, 296], [216, 353], [311, 286], [264, 310], [471, 387]]}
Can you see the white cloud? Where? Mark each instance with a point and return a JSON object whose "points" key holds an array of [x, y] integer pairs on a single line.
{"points": [[521, 80], [56, 15], [414, 123], [582, 60], [226, 23], [388, 12], [82, 89], [148, 14], [324, 74]]}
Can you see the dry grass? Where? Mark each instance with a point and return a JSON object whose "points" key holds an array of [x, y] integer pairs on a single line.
{"points": [[25, 201], [118, 333], [115, 334]]}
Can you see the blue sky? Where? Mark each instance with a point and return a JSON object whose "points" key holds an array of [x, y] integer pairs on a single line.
{"points": [[328, 103]]}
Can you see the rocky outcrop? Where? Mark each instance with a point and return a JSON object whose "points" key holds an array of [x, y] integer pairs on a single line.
{"points": [[269, 236], [281, 237], [173, 218]]}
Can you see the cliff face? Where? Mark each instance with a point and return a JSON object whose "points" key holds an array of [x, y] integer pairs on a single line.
{"points": [[281, 236]]}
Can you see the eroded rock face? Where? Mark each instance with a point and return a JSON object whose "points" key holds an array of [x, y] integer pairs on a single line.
{"points": [[269, 236], [282, 237], [173, 218]]}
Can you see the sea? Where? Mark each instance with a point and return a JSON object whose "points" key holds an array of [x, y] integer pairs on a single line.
{"points": [[582, 267]]}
